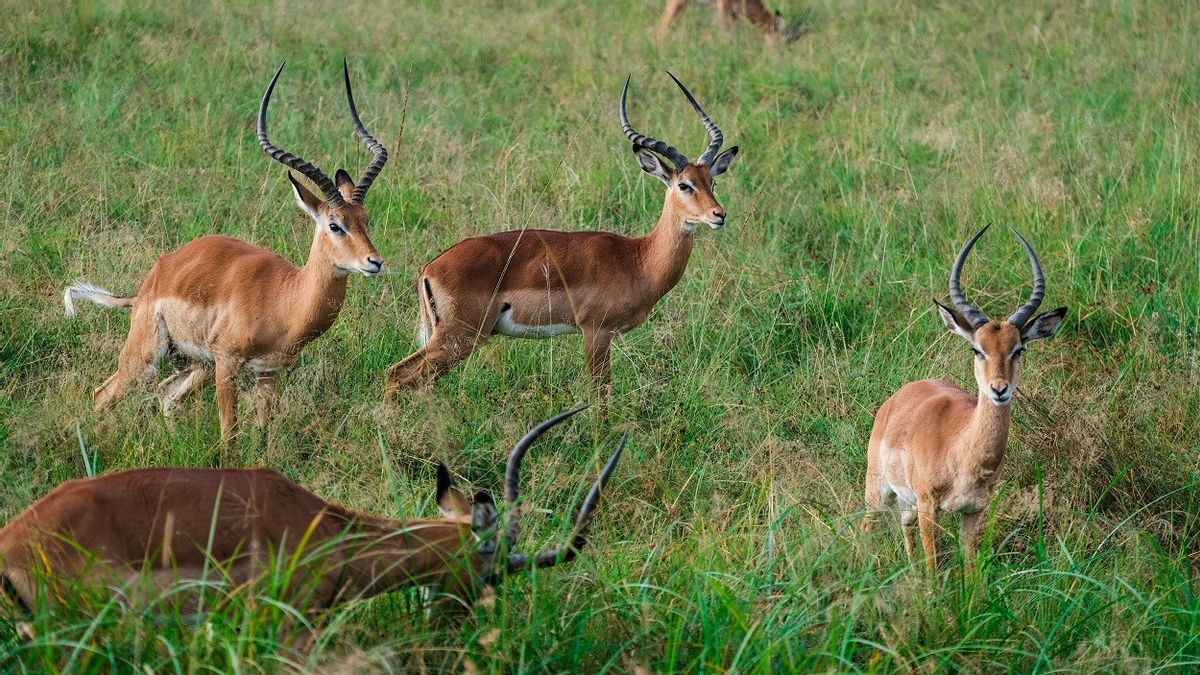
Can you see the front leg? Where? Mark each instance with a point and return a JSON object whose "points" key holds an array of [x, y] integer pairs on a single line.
{"points": [[927, 523], [596, 343], [228, 368], [971, 531]]}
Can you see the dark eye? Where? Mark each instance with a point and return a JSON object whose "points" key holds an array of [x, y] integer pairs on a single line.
{"points": [[336, 229], [1017, 352], [978, 354], [685, 187]]}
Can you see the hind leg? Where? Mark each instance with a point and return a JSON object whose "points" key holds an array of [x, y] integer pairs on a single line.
{"points": [[181, 385], [447, 347], [144, 347]]}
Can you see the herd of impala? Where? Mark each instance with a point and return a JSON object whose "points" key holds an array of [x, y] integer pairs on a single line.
{"points": [[219, 306]]}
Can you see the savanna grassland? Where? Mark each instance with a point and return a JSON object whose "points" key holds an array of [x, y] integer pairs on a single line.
{"points": [[871, 148]]}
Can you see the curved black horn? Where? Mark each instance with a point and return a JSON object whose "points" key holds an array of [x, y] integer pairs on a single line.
{"points": [[677, 158], [714, 132], [1026, 311], [378, 152], [973, 316], [512, 473], [520, 561], [288, 159]]}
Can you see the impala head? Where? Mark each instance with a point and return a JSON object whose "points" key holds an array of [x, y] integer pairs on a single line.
{"points": [[690, 186], [998, 345], [483, 519], [341, 235]]}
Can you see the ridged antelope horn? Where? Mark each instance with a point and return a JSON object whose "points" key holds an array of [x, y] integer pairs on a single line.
{"points": [[519, 561], [512, 473], [288, 159], [640, 140], [973, 316], [378, 152], [1026, 311], [714, 132]]}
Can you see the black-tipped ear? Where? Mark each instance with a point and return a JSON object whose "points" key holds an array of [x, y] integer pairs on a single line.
{"points": [[343, 178], [956, 322], [450, 500], [723, 161], [1043, 325], [653, 164], [305, 199]]}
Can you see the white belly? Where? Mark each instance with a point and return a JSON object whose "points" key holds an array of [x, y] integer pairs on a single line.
{"points": [[506, 326]]}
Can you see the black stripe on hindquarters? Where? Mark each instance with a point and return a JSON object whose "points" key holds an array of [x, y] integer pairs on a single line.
{"points": [[432, 305]]}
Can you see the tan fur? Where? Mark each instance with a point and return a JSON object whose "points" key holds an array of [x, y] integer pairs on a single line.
{"points": [[935, 447], [153, 525], [727, 11], [598, 283], [228, 305]]}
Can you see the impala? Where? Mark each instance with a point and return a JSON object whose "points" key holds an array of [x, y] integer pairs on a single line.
{"points": [[222, 305], [137, 533], [770, 23], [935, 446], [541, 283]]}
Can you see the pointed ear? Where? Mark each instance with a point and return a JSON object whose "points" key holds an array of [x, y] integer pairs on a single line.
{"points": [[956, 323], [723, 161], [307, 201], [1043, 325], [345, 184], [484, 518], [653, 165], [451, 502]]}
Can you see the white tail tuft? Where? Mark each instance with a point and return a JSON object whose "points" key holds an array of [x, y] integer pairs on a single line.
{"points": [[86, 291]]}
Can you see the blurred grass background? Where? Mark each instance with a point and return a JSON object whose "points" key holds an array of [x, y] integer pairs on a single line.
{"points": [[871, 148]]}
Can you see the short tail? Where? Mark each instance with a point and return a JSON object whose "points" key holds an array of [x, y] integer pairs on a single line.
{"points": [[86, 291]]}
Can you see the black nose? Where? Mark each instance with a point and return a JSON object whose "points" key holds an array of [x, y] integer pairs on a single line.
{"points": [[719, 214], [376, 262], [1001, 391]]}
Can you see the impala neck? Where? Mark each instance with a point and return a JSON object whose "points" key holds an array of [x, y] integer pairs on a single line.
{"points": [[319, 291], [668, 248], [988, 434]]}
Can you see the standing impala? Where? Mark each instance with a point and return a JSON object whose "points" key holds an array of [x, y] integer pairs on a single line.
{"points": [[226, 305], [541, 283], [149, 530], [937, 447]]}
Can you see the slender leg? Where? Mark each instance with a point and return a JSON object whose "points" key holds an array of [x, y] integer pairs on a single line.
{"points": [[596, 343], [908, 523], [144, 347], [674, 7], [228, 369], [446, 348], [265, 388], [927, 523], [180, 385], [971, 531]]}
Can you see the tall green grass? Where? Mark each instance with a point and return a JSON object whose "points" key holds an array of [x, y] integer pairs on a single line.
{"points": [[870, 149]]}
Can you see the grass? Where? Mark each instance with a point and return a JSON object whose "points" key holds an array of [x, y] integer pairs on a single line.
{"points": [[871, 148]]}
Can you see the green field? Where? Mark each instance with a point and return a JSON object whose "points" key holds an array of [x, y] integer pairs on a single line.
{"points": [[870, 149]]}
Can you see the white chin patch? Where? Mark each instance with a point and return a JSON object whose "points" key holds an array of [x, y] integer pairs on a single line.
{"points": [[716, 226], [689, 226], [1001, 402]]}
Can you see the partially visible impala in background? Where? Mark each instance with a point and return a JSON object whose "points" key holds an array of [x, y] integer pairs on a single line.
{"points": [[139, 533], [772, 24], [541, 283], [937, 447], [225, 305]]}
